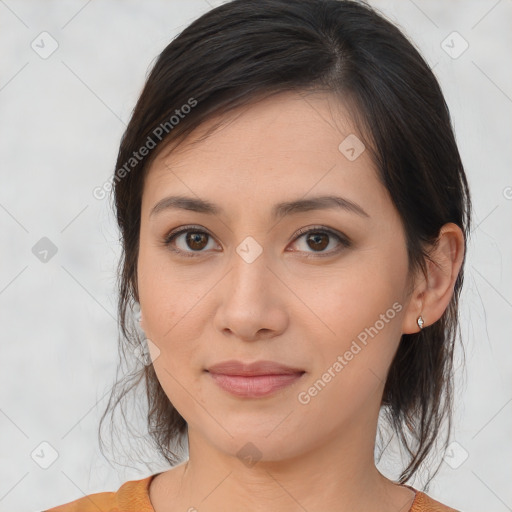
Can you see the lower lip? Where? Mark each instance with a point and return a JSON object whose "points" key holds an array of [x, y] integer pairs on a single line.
{"points": [[254, 386]]}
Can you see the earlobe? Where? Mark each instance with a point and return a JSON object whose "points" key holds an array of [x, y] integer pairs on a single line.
{"points": [[415, 318], [432, 295]]}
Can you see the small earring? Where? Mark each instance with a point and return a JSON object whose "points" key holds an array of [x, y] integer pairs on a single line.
{"points": [[420, 322], [137, 312]]}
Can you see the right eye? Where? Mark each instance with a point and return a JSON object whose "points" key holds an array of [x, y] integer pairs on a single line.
{"points": [[188, 240]]}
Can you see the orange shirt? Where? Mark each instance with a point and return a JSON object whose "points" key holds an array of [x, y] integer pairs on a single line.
{"points": [[133, 496]]}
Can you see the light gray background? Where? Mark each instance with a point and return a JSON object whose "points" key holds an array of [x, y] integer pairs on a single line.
{"points": [[61, 121]]}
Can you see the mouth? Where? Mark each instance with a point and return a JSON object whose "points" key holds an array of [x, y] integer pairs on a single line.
{"points": [[259, 379]]}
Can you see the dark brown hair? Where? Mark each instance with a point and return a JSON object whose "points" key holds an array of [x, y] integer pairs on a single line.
{"points": [[244, 50]]}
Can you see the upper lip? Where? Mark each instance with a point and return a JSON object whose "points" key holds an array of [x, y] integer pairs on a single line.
{"points": [[233, 367]]}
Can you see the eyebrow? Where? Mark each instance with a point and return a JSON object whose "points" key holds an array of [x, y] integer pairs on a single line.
{"points": [[279, 210]]}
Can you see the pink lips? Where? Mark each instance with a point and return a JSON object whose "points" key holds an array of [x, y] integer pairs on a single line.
{"points": [[257, 379]]}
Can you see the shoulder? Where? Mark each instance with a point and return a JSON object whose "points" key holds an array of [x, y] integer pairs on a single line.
{"points": [[424, 503], [132, 496]]}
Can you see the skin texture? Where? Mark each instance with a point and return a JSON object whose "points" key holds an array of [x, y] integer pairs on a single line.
{"points": [[284, 306]]}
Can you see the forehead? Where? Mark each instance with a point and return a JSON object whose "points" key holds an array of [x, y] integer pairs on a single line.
{"points": [[287, 145], [283, 122]]}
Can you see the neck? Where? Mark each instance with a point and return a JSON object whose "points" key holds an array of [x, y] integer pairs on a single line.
{"points": [[338, 476]]}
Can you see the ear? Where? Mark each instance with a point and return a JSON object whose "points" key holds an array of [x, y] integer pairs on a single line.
{"points": [[432, 293]]}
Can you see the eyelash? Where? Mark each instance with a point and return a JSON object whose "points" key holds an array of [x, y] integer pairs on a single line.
{"points": [[343, 240]]}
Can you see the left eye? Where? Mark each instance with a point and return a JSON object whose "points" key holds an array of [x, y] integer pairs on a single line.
{"points": [[319, 239], [194, 241]]}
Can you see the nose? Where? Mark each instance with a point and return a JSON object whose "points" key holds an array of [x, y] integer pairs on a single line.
{"points": [[252, 301]]}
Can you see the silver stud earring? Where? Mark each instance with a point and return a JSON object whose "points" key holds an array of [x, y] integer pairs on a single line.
{"points": [[137, 313], [420, 322]]}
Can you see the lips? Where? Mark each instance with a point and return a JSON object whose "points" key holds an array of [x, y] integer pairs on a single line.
{"points": [[253, 380], [239, 368]]}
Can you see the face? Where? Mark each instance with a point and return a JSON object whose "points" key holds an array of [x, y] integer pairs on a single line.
{"points": [[316, 286]]}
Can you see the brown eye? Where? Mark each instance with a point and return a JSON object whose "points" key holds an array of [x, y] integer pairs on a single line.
{"points": [[314, 242], [318, 241], [196, 240], [189, 241]]}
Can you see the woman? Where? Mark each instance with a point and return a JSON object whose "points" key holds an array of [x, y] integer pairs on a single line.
{"points": [[294, 215]]}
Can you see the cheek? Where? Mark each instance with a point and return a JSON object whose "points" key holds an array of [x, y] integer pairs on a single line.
{"points": [[360, 323], [350, 367], [169, 298], [170, 310], [358, 328], [352, 297]]}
